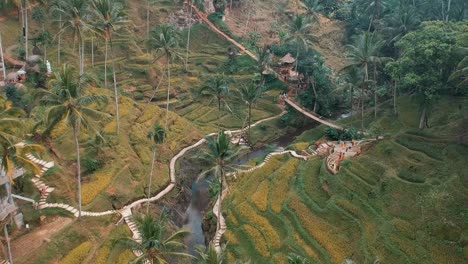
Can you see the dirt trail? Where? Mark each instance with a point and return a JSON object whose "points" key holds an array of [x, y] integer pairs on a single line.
{"points": [[26, 247]]}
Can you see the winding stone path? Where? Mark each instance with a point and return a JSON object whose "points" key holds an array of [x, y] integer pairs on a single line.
{"points": [[45, 190]]}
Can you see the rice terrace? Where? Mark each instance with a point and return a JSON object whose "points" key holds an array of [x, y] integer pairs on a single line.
{"points": [[244, 132]]}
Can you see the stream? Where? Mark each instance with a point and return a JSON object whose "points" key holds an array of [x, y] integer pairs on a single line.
{"points": [[199, 199]]}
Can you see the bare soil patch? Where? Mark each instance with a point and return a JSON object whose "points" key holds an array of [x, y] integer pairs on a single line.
{"points": [[27, 246], [267, 17]]}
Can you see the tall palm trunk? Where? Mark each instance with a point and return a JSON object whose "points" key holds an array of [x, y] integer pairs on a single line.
{"points": [[221, 180], [362, 106], [351, 99], [394, 97], [105, 61], [76, 132], [92, 51], [116, 93], [448, 10], [366, 79], [315, 94], [375, 90], [188, 37], [249, 121], [26, 30], [423, 119], [150, 180], [59, 42], [147, 18], [168, 65]]}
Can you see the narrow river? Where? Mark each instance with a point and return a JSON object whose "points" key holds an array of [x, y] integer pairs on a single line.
{"points": [[199, 200]]}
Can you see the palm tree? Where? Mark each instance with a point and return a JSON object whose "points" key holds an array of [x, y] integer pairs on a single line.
{"points": [[74, 15], [376, 62], [66, 103], [401, 21], [250, 94], [218, 89], [157, 244], [109, 15], [460, 74], [314, 7], [209, 255], [165, 41], [264, 57], [157, 135], [188, 34], [12, 152], [219, 154], [362, 54], [299, 34]]}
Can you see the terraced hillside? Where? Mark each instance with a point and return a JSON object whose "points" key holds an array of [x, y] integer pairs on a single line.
{"points": [[402, 201]]}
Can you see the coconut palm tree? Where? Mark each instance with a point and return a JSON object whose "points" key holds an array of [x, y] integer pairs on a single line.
{"points": [[314, 7], [219, 154], [460, 74], [12, 150], [164, 40], [109, 16], [65, 102], [157, 135], [264, 57], [75, 17], [157, 244], [250, 94], [363, 54], [299, 34], [217, 89], [188, 34], [209, 255], [399, 22]]}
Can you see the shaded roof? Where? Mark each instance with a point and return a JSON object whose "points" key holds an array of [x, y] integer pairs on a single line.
{"points": [[288, 58]]}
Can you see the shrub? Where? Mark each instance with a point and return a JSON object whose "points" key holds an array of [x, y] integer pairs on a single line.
{"points": [[14, 95], [348, 134], [91, 165], [78, 254]]}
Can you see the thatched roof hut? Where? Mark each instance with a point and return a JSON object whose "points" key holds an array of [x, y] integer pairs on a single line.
{"points": [[287, 59]]}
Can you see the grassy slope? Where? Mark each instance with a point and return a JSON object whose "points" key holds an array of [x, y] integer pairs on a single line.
{"points": [[402, 201], [127, 156]]}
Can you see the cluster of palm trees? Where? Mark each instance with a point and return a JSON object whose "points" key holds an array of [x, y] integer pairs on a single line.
{"points": [[364, 57], [82, 19]]}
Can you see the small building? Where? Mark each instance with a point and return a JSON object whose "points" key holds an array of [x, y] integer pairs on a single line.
{"points": [[7, 205], [288, 59]]}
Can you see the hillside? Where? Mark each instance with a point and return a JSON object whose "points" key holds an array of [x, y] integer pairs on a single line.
{"points": [[400, 201], [180, 135]]}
